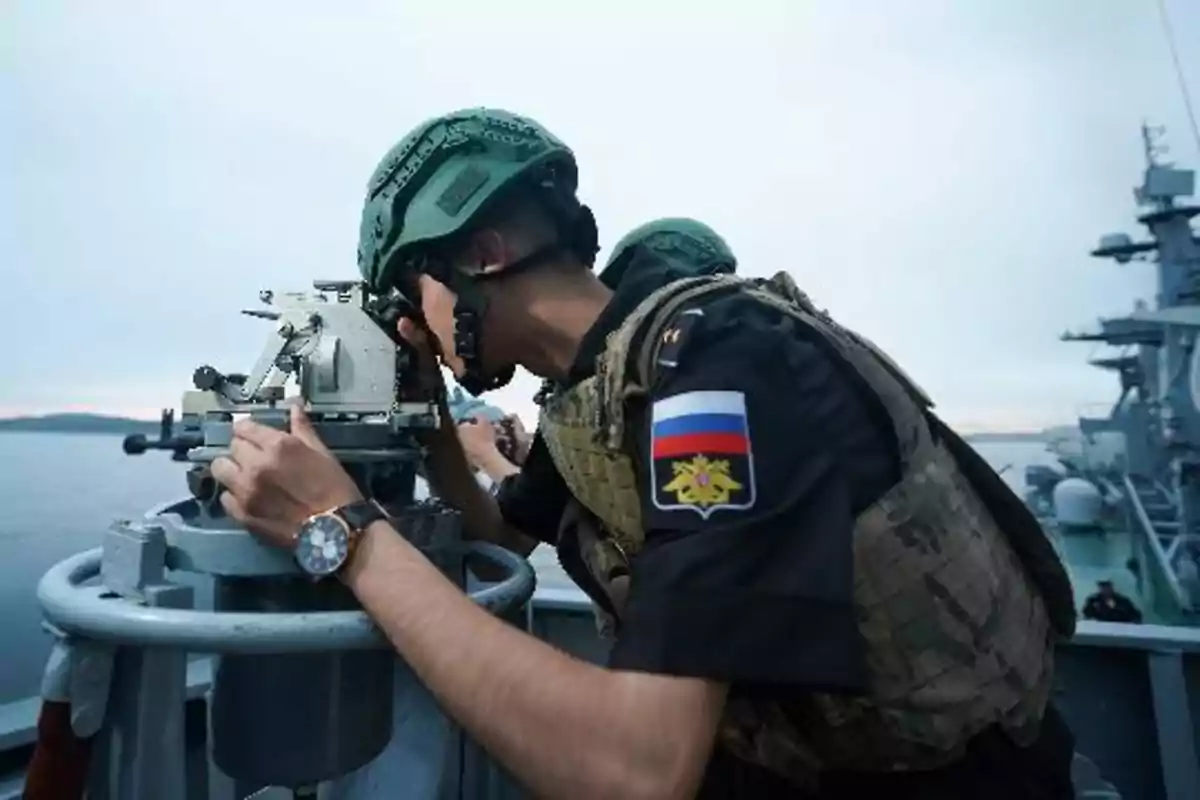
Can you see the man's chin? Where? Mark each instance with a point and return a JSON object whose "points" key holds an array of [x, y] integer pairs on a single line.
{"points": [[459, 370]]}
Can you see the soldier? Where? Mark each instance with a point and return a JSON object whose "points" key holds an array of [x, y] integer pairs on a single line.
{"points": [[831, 594], [684, 247], [1109, 605]]}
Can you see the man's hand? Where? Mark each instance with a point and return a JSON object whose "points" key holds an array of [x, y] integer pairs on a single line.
{"points": [[445, 451], [522, 439], [479, 441], [274, 481], [427, 362]]}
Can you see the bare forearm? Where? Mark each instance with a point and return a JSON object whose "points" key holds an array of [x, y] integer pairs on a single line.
{"points": [[449, 472], [483, 520], [497, 467], [563, 727]]}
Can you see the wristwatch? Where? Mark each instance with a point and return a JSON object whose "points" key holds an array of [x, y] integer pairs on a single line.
{"points": [[326, 541]]}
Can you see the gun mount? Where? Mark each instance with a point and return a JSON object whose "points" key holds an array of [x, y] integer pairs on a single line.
{"points": [[303, 691]]}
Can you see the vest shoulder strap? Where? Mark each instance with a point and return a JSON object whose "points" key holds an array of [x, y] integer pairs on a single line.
{"points": [[645, 326], [615, 381]]}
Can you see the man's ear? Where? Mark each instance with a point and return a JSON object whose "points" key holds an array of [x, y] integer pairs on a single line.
{"points": [[489, 252]]}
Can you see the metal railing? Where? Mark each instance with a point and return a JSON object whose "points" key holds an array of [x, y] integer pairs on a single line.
{"points": [[1150, 536], [1128, 692]]}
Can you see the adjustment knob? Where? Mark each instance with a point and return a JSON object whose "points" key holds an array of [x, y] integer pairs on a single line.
{"points": [[206, 378]]}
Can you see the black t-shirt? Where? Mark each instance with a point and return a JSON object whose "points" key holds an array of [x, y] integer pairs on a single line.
{"points": [[760, 449], [533, 500]]}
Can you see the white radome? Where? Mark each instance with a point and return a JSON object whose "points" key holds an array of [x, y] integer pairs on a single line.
{"points": [[1077, 502]]}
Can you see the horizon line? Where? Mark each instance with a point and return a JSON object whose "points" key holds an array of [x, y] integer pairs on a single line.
{"points": [[967, 428]]}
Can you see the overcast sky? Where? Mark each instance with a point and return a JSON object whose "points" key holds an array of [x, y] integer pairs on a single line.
{"points": [[933, 176]]}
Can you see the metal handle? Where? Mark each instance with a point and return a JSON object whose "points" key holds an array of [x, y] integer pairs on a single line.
{"points": [[92, 612]]}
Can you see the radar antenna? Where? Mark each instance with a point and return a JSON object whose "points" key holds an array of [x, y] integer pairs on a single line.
{"points": [[1152, 144]]}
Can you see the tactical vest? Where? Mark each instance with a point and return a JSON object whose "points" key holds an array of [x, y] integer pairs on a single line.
{"points": [[959, 617]]}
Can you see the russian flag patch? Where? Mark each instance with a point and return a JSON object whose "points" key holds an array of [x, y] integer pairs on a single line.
{"points": [[700, 453]]}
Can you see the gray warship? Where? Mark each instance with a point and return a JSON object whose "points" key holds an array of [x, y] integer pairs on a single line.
{"points": [[283, 688], [1125, 505]]}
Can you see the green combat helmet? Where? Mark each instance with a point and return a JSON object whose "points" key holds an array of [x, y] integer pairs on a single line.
{"points": [[688, 246], [439, 181]]}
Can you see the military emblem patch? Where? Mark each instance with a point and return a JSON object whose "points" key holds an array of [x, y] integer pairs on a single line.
{"points": [[700, 453], [675, 337]]}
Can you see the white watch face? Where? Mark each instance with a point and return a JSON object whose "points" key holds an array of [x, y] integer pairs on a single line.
{"points": [[322, 545]]}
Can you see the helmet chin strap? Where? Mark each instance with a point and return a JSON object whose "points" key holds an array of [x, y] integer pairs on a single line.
{"points": [[474, 380], [469, 311]]}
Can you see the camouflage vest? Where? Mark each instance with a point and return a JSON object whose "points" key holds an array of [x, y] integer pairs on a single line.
{"points": [[959, 636], [603, 560]]}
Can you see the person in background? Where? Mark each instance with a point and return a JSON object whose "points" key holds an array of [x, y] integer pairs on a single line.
{"points": [[658, 252], [680, 246], [1109, 605]]}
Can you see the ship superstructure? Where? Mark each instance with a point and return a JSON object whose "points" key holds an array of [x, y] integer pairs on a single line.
{"points": [[1142, 459]]}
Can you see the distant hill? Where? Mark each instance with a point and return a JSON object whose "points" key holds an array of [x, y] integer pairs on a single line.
{"points": [[1009, 436], [78, 423], [99, 423], [1062, 432]]}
